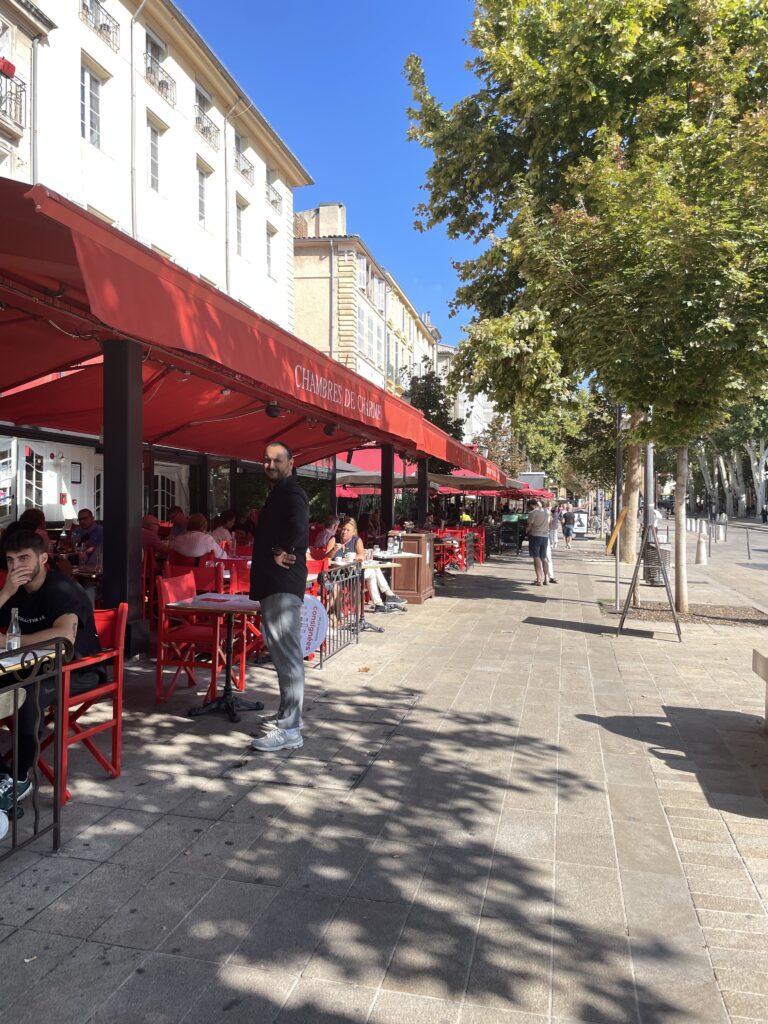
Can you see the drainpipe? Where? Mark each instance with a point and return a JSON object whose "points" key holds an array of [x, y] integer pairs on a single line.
{"points": [[133, 122], [33, 113], [226, 199], [331, 310]]}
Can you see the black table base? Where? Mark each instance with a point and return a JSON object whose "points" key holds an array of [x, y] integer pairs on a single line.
{"points": [[228, 702]]}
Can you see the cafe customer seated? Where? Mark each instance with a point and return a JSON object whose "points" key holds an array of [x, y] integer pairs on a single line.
{"points": [[50, 605], [150, 537], [349, 547], [197, 542]]}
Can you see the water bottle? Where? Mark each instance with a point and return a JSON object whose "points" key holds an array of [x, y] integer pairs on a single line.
{"points": [[13, 636]]}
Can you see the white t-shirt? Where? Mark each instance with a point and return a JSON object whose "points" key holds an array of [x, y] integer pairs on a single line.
{"points": [[222, 533], [195, 544]]}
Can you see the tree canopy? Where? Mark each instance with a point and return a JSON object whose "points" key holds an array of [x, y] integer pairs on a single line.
{"points": [[612, 161]]}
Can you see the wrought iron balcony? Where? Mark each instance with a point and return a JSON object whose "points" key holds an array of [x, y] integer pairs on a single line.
{"points": [[244, 166], [205, 126], [274, 198], [13, 101], [101, 21], [159, 78]]}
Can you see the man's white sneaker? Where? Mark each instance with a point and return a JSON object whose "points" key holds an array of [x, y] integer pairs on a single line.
{"points": [[278, 739], [266, 723], [3, 824]]}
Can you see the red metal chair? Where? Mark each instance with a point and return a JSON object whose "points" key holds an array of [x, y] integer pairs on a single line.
{"points": [[244, 550], [209, 578], [181, 636], [110, 625], [176, 558]]}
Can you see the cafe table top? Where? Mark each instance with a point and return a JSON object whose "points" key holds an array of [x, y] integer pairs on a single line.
{"points": [[223, 604]]}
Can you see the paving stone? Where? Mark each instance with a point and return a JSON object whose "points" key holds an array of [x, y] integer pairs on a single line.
{"points": [[241, 996], [116, 829], [393, 1006], [90, 902], [147, 918], [314, 1001], [358, 943], [511, 968], [26, 958], [287, 932], [217, 925], [27, 893]]}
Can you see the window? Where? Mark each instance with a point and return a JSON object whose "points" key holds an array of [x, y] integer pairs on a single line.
{"points": [[379, 291], [153, 146], [240, 206], [203, 99], [97, 496], [33, 479], [202, 177], [164, 495], [361, 329], [90, 98], [379, 345], [155, 48], [362, 271], [370, 337], [270, 251], [6, 480]]}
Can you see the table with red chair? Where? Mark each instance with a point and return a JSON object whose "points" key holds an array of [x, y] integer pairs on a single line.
{"points": [[227, 607]]}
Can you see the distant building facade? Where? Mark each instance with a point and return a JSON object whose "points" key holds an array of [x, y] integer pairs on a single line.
{"points": [[349, 307], [139, 122], [477, 412]]}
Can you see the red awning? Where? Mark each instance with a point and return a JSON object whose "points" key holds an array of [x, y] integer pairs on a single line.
{"points": [[68, 281]]}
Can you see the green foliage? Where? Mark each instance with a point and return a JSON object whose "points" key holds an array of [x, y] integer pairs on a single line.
{"points": [[613, 162], [502, 445], [428, 393]]}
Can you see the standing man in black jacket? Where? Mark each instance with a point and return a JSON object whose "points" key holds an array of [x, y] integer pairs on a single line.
{"points": [[279, 581]]}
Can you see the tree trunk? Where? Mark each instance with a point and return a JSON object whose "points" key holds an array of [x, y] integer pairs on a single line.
{"points": [[729, 488], [681, 567], [757, 452], [632, 480], [708, 485], [737, 473]]}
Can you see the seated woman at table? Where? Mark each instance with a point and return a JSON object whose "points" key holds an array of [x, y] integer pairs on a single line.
{"points": [[382, 595], [222, 527], [197, 542]]}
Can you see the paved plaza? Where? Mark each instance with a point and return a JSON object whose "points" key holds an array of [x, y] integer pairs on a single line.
{"points": [[502, 814]]}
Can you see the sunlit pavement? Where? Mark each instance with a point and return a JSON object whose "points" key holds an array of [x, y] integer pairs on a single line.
{"points": [[502, 814]]}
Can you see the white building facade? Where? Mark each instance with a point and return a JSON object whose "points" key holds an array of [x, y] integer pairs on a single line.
{"points": [[476, 412], [140, 123]]}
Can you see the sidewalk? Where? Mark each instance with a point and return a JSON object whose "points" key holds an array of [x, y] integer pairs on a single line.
{"points": [[502, 814]]}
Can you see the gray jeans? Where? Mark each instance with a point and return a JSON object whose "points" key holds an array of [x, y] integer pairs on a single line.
{"points": [[281, 627]]}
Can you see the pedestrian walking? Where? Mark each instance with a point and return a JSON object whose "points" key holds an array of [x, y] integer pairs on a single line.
{"points": [[569, 521], [554, 523], [538, 539], [279, 582], [764, 513]]}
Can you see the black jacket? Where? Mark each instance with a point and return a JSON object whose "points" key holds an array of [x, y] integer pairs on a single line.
{"points": [[283, 523]]}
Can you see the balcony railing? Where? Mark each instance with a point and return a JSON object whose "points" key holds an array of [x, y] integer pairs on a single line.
{"points": [[205, 126], [244, 166], [101, 21], [274, 198], [13, 100], [159, 78]]}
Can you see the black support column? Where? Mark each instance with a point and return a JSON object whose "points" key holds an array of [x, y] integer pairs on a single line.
{"points": [[422, 492], [333, 501], [149, 480], [203, 474], [387, 486], [123, 485], [233, 484]]}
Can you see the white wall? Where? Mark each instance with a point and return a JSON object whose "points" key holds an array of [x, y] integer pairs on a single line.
{"points": [[100, 178]]}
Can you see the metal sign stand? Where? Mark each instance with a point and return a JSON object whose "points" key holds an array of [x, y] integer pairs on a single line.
{"points": [[647, 533]]}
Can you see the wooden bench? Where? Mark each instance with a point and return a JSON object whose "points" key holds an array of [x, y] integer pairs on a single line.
{"points": [[760, 667]]}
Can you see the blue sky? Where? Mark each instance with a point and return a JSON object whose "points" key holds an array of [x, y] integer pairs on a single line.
{"points": [[328, 76]]}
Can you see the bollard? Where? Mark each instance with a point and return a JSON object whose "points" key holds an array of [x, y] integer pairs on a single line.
{"points": [[749, 553], [701, 550]]}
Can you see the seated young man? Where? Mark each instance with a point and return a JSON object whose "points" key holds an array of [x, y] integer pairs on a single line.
{"points": [[50, 605]]}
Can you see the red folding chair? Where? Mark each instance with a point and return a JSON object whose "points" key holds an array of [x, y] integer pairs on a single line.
{"points": [[181, 636], [209, 578], [110, 625], [176, 558]]}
